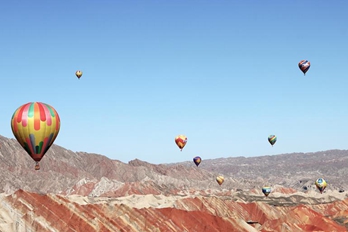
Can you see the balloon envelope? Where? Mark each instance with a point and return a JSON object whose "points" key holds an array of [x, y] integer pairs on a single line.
{"points": [[272, 139], [78, 73], [220, 180], [266, 190], [181, 141], [197, 160], [304, 65], [320, 184], [35, 126]]}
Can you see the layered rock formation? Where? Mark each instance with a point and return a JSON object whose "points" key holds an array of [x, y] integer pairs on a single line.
{"points": [[78, 191], [24, 211]]}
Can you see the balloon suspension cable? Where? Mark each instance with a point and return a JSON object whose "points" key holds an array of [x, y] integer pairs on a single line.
{"points": [[37, 166]]}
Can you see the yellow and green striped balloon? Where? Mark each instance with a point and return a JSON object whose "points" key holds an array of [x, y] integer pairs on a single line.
{"points": [[35, 126]]}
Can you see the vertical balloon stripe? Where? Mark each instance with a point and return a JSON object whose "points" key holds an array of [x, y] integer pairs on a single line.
{"points": [[30, 145], [42, 113], [48, 115], [36, 150], [37, 121], [57, 122], [39, 148], [47, 143], [32, 141], [14, 124], [20, 114], [31, 110], [24, 115], [52, 112]]}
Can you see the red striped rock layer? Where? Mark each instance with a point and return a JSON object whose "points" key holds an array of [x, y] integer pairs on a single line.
{"points": [[24, 211]]}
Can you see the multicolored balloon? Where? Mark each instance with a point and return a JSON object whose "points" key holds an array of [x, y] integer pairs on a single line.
{"points": [[35, 126], [197, 160], [304, 65], [220, 180], [272, 139], [266, 191], [321, 184], [181, 141], [78, 73]]}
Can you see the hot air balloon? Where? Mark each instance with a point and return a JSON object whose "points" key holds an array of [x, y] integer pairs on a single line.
{"points": [[266, 191], [304, 65], [197, 160], [181, 141], [220, 180], [272, 139], [35, 126], [321, 184], [78, 73]]}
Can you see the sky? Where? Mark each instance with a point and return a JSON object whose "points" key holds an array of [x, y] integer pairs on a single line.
{"points": [[223, 73]]}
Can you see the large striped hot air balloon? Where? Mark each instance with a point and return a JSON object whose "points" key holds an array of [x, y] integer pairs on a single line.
{"points": [[35, 126]]}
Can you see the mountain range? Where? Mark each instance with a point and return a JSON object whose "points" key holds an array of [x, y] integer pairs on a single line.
{"points": [[100, 194]]}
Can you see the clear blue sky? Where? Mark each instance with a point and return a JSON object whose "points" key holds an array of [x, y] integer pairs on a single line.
{"points": [[224, 73]]}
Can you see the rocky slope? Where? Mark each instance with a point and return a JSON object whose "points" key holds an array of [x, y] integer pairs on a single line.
{"points": [[64, 171], [78, 191], [24, 211]]}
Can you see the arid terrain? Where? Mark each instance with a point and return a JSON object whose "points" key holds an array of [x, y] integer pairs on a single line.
{"points": [[78, 191]]}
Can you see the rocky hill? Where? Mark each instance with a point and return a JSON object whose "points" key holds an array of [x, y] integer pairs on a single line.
{"points": [[78, 191], [24, 211], [64, 171], [294, 170]]}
